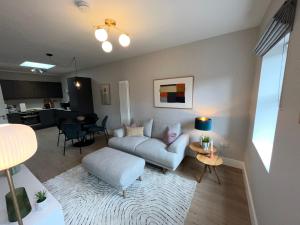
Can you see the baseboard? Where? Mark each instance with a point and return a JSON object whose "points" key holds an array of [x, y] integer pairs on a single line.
{"points": [[233, 163], [241, 165], [249, 197]]}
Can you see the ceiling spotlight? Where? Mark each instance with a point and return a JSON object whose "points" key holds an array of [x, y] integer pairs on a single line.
{"points": [[107, 46], [124, 40], [38, 70], [81, 4], [101, 34]]}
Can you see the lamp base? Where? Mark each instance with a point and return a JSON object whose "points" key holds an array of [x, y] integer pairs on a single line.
{"points": [[23, 202]]}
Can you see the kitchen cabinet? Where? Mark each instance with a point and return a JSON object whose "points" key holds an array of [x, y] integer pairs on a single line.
{"points": [[81, 98], [47, 117], [17, 89]]}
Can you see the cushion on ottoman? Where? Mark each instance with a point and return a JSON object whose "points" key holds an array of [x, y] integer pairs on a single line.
{"points": [[117, 168]]}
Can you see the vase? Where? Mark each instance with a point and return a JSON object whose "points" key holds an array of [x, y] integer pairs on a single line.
{"points": [[40, 205], [205, 146]]}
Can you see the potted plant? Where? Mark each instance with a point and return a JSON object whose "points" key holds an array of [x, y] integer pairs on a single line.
{"points": [[41, 197], [205, 141]]}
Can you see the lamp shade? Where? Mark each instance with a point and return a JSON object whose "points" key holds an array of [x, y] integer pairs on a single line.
{"points": [[17, 144], [203, 123]]}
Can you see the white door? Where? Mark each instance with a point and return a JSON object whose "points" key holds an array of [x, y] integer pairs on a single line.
{"points": [[3, 110]]}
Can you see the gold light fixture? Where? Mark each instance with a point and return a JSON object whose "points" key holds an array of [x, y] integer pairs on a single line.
{"points": [[101, 34]]}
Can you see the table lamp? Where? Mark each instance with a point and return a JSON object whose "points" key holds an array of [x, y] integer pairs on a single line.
{"points": [[204, 124], [17, 144]]}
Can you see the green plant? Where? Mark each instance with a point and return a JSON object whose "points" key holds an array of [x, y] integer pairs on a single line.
{"points": [[205, 139], [40, 196]]}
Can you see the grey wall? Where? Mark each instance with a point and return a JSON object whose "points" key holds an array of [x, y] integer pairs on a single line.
{"points": [[276, 194], [223, 71], [30, 103]]}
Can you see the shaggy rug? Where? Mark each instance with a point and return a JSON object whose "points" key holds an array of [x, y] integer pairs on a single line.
{"points": [[158, 199]]}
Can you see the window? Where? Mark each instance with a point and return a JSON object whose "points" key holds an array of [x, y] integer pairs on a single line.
{"points": [[268, 101]]}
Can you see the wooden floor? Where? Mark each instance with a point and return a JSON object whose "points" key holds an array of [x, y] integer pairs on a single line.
{"points": [[212, 204]]}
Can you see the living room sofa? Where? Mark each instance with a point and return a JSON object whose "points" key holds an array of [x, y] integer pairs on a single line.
{"points": [[151, 146]]}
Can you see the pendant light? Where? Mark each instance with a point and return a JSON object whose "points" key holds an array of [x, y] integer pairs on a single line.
{"points": [[101, 34]]}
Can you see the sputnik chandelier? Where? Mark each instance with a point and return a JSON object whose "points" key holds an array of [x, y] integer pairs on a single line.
{"points": [[101, 34]]}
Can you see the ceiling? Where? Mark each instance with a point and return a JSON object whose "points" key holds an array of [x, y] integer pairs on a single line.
{"points": [[31, 28]]}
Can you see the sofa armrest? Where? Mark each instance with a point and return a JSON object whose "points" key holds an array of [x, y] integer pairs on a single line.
{"points": [[120, 132], [179, 145]]}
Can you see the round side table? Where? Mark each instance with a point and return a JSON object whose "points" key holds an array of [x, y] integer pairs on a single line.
{"points": [[205, 157], [197, 148], [210, 162]]}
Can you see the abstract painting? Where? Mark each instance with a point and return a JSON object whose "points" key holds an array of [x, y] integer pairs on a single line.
{"points": [[174, 92], [105, 94]]}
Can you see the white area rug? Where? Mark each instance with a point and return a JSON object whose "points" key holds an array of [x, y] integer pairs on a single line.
{"points": [[158, 199]]}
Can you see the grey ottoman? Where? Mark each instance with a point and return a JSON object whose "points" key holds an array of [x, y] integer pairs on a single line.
{"points": [[116, 168]]}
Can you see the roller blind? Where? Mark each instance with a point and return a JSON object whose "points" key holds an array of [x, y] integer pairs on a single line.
{"points": [[281, 24]]}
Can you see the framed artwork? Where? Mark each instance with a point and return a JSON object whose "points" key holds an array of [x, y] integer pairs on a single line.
{"points": [[174, 92], [105, 94]]}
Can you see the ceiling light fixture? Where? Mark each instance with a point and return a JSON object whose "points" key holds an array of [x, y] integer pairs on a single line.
{"points": [[101, 34], [37, 65]]}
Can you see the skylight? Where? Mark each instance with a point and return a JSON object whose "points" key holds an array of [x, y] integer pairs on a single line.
{"points": [[37, 65]]}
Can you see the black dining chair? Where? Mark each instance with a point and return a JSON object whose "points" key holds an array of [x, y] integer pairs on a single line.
{"points": [[72, 131], [100, 129], [58, 125], [90, 120]]}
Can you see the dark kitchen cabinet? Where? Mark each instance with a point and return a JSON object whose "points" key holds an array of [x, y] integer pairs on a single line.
{"points": [[9, 89], [14, 118], [47, 117], [16, 89], [54, 90], [81, 98]]}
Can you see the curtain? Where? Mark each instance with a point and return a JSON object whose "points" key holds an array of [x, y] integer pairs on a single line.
{"points": [[281, 24]]}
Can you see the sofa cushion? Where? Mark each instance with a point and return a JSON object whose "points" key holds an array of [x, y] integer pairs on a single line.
{"points": [[127, 144], [135, 131], [148, 124], [154, 150], [172, 133], [160, 127]]}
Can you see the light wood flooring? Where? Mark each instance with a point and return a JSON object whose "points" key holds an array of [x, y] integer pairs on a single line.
{"points": [[212, 204]]}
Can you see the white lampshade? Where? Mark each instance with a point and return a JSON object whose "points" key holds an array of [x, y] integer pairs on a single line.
{"points": [[17, 144], [124, 40], [101, 34], [107, 46]]}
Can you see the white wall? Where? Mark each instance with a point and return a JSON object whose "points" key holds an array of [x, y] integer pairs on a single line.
{"points": [[276, 194], [30, 103], [223, 71]]}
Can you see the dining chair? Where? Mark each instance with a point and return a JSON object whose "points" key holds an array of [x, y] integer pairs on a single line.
{"points": [[72, 131], [100, 129], [60, 132]]}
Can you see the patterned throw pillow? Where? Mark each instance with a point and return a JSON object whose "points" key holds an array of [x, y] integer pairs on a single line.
{"points": [[135, 131], [172, 133]]}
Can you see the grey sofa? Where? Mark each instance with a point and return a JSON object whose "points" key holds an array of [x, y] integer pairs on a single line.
{"points": [[151, 147]]}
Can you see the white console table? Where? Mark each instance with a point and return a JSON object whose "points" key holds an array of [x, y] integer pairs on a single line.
{"points": [[51, 214]]}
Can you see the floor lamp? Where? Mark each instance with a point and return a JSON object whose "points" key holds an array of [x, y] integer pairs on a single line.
{"points": [[17, 144]]}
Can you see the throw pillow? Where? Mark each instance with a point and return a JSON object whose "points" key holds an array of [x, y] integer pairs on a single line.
{"points": [[148, 127], [172, 133], [135, 131]]}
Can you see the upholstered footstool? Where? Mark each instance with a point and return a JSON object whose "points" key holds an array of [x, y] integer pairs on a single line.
{"points": [[116, 168]]}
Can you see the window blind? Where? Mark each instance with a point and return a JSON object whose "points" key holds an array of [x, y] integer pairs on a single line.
{"points": [[281, 24]]}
